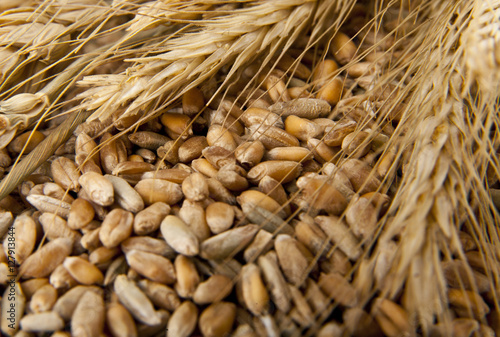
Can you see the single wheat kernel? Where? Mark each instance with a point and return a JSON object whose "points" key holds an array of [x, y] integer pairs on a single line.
{"points": [[261, 117], [322, 152], [65, 173], [203, 166], [148, 140], [194, 216], [116, 227], [361, 69], [227, 243], [25, 235], [254, 291], [154, 267], [177, 125], [192, 148], [56, 227], [219, 156], [312, 237], [192, 101], [132, 167], [160, 294], [360, 175], [249, 154], [282, 171], [319, 195], [179, 236], [29, 139], [81, 214], [342, 48], [214, 289], [149, 219], [324, 71], [174, 175], [183, 320], [44, 203], [125, 196], [302, 107], [195, 187], [86, 147], [331, 329], [88, 316], [90, 240], [119, 321], [112, 152], [147, 155], [86, 164], [98, 188], [43, 261], [340, 235], [217, 319], [355, 144], [83, 271], [101, 257], [158, 190], [361, 217], [331, 91], [187, 276], [148, 244], [219, 216], [218, 135], [137, 303], [251, 198], [271, 136], [292, 261], [42, 322], [292, 153], [274, 278], [43, 299]]}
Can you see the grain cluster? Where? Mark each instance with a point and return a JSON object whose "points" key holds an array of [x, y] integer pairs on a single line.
{"points": [[269, 197]]}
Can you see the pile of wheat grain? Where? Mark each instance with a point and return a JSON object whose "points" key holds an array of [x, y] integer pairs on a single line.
{"points": [[289, 167]]}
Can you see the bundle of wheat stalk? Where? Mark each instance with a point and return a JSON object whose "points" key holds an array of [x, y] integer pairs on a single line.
{"points": [[249, 168]]}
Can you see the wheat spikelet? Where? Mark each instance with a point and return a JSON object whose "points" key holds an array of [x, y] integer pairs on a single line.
{"points": [[192, 56]]}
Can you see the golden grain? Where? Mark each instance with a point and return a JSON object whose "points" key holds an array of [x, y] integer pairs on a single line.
{"points": [[42, 322], [228, 243], [154, 267], [179, 236], [136, 301], [119, 321], [161, 295], [89, 315], [183, 320], [217, 319]]}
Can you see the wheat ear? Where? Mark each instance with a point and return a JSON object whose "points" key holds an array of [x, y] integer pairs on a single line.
{"points": [[194, 57]]}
